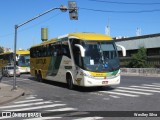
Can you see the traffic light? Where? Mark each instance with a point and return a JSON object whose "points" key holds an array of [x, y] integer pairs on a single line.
{"points": [[73, 12]]}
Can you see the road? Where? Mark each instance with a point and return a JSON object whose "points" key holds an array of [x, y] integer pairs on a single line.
{"points": [[135, 93]]}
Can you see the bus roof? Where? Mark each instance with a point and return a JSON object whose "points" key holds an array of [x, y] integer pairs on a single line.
{"points": [[83, 36], [90, 36], [22, 52]]}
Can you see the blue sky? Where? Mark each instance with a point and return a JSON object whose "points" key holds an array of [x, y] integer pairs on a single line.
{"points": [[101, 13]]}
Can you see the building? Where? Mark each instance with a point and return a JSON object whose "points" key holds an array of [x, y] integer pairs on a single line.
{"points": [[150, 42]]}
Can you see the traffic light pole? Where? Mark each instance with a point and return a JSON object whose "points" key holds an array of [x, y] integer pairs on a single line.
{"points": [[62, 8], [73, 16]]}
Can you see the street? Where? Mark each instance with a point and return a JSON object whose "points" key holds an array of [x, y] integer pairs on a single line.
{"points": [[135, 93]]}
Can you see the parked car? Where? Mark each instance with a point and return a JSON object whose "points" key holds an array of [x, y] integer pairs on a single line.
{"points": [[9, 71]]}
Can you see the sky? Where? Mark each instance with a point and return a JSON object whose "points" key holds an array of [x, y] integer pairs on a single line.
{"points": [[122, 16]]}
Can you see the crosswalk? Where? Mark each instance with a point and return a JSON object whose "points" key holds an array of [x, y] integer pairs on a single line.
{"points": [[46, 110], [50, 109], [132, 91]]}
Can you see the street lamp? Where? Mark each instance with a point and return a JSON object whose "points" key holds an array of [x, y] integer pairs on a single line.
{"points": [[62, 8]]}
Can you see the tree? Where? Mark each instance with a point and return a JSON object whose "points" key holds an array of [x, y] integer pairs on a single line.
{"points": [[139, 60], [1, 50]]}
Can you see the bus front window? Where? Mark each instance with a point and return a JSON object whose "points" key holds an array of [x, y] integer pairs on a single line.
{"points": [[100, 56], [24, 60]]}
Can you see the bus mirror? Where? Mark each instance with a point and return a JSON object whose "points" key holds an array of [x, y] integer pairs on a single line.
{"points": [[123, 49], [81, 49]]}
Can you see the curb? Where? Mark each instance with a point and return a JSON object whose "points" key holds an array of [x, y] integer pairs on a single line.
{"points": [[12, 98]]}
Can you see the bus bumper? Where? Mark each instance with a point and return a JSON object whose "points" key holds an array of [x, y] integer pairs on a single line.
{"points": [[91, 82]]}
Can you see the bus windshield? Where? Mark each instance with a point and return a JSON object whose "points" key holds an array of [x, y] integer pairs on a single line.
{"points": [[24, 60], [100, 56]]}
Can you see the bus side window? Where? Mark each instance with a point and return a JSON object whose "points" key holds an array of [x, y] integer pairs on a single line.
{"points": [[65, 49], [47, 51]]}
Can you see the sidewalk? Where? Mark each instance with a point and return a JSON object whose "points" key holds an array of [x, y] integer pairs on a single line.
{"points": [[7, 94]]}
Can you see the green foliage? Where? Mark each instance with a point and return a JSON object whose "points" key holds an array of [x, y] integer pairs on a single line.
{"points": [[1, 50], [139, 60]]}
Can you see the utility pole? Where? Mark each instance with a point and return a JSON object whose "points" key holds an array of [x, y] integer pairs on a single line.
{"points": [[72, 7]]}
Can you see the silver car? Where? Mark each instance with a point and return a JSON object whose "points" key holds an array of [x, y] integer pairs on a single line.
{"points": [[9, 71]]}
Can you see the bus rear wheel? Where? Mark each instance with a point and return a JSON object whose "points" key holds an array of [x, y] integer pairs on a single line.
{"points": [[40, 77]]}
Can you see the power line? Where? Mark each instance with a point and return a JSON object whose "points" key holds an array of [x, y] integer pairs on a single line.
{"points": [[111, 11], [131, 3], [6, 35], [10, 34]]}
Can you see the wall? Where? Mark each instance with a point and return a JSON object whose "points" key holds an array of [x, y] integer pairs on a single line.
{"points": [[154, 72]]}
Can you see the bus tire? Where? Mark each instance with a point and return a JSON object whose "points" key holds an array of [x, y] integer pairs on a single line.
{"points": [[36, 76], [69, 82], [40, 77]]}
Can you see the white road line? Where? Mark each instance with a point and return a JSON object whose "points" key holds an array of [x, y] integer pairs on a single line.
{"points": [[63, 109], [146, 87], [38, 107], [117, 93], [2, 118], [43, 118], [89, 118], [156, 83], [25, 101], [114, 96], [30, 97], [143, 93], [23, 105], [139, 89], [151, 85], [57, 101], [105, 98]]}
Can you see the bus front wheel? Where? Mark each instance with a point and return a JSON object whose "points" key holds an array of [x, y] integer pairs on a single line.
{"points": [[69, 82]]}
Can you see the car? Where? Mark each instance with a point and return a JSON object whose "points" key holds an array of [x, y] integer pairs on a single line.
{"points": [[9, 71]]}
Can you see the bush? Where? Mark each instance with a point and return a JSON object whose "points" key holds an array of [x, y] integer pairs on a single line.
{"points": [[139, 60], [1, 50]]}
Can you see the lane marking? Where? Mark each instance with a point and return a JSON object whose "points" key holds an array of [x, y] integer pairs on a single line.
{"points": [[23, 105], [117, 93], [38, 107], [114, 96], [139, 89], [143, 93], [6, 117], [62, 109], [25, 101], [43, 118], [156, 83], [30, 97], [151, 85], [146, 87], [90, 118]]}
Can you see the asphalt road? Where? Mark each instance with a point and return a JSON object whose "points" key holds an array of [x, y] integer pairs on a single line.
{"points": [[135, 95]]}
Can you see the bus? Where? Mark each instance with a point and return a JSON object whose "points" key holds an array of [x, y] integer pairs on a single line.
{"points": [[22, 60], [82, 59]]}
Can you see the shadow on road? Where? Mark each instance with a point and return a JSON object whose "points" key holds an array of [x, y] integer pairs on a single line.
{"points": [[76, 88]]}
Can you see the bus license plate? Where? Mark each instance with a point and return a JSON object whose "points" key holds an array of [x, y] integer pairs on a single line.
{"points": [[104, 82]]}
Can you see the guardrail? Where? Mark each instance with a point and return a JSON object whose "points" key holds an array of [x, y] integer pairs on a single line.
{"points": [[154, 72]]}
